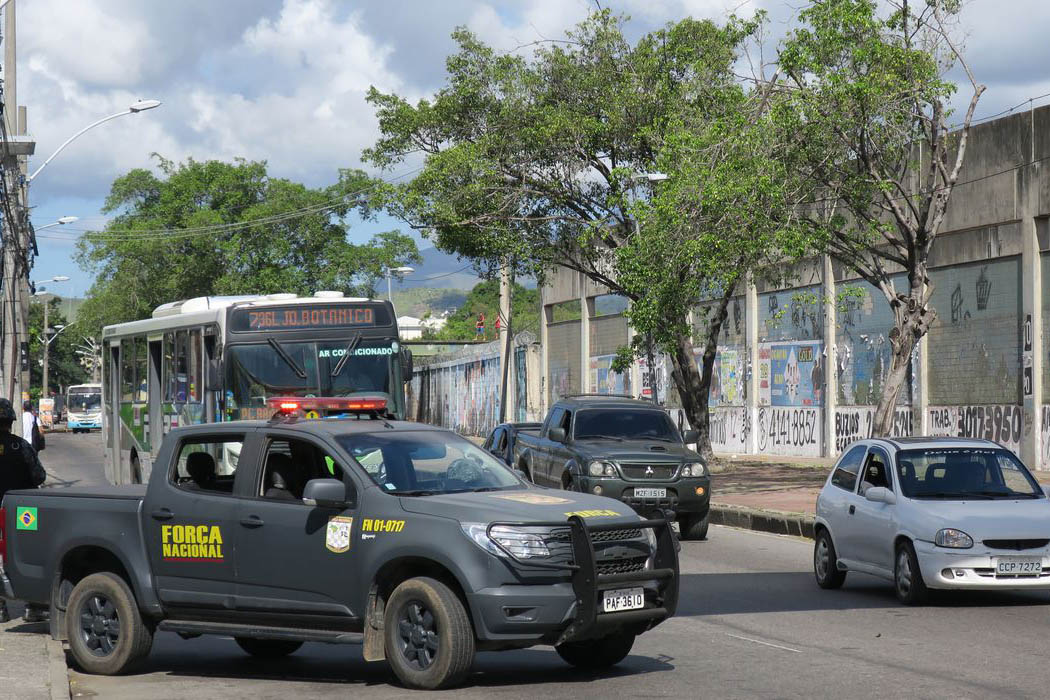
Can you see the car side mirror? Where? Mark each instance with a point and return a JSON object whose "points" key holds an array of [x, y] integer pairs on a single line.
{"points": [[556, 434], [690, 436], [325, 493], [406, 364], [881, 494]]}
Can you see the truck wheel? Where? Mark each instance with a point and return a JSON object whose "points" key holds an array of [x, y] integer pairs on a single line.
{"points": [[692, 526], [597, 653], [429, 638], [267, 648], [106, 632]]}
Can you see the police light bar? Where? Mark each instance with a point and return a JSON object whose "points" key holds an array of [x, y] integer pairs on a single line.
{"points": [[355, 404]]}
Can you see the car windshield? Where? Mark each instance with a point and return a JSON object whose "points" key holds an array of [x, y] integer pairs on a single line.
{"points": [[424, 463], [964, 473], [625, 424]]}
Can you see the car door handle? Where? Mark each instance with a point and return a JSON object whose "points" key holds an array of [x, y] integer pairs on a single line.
{"points": [[252, 521], [162, 514], [852, 510]]}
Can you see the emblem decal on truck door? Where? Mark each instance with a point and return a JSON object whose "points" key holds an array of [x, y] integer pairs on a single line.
{"points": [[337, 535], [26, 519]]}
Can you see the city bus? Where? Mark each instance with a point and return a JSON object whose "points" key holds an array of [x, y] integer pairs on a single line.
{"points": [[83, 407], [212, 359]]}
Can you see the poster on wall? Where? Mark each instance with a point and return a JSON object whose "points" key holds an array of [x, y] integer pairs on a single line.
{"points": [[606, 381], [727, 377], [660, 367], [792, 373]]}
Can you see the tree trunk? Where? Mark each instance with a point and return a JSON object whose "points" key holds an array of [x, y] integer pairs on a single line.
{"points": [[693, 384], [912, 318]]}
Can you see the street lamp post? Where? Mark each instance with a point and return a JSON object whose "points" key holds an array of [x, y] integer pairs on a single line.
{"points": [[405, 270], [47, 341]]}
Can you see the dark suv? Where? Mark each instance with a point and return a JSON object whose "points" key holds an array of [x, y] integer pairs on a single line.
{"points": [[621, 447]]}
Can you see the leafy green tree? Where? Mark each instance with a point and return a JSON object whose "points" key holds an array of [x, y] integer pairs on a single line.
{"points": [[534, 159], [870, 91], [244, 232], [484, 298], [63, 367]]}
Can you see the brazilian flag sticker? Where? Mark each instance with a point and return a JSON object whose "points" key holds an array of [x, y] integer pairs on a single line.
{"points": [[26, 519]]}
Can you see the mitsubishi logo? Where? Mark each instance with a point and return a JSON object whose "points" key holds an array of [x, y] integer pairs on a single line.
{"points": [[649, 470]]}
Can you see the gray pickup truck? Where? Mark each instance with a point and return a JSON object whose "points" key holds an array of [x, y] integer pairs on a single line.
{"points": [[621, 447], [403, 537]]}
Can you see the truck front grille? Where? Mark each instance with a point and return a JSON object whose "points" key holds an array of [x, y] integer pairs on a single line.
{"points": [[649, 471], [621, 566]]}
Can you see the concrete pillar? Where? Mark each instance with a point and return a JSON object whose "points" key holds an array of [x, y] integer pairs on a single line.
{"points": [[545, 319], [831, 375], [751, 374], [636, 370], [586, 309], [1031, 322]]}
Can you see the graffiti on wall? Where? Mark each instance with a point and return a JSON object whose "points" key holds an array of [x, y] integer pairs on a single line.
{"points": [[791, 374], [854, 423], [1044, 438], [464, 396], [789, 431], [604, 380], [1002, 424], [730, 429]]}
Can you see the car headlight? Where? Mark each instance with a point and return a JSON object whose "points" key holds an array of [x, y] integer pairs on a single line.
{"points": [[950, 537], [694, 469], [522, 543], [601, 469]]}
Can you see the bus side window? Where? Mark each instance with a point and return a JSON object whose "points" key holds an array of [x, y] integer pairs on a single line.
{"points": [[127, 370], [180, 367], [141, 371], [194, 375], [169, 367]]}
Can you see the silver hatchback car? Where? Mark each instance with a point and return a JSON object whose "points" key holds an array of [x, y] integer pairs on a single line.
{"points": [[946, 513]]}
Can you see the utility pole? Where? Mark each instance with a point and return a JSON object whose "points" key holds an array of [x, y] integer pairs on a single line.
{"points": [[47, 347], [507, 388]]}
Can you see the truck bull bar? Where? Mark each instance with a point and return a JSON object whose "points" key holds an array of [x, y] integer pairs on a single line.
{"points": [[662, 574]]}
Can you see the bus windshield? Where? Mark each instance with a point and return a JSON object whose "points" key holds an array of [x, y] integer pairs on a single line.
{"points": [[84, 400], [258, 371]]}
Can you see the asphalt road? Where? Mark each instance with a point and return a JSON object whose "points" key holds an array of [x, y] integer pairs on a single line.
{"points": [[751, 623]]}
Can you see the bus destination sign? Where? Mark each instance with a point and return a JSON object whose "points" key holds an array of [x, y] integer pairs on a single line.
{"points": [[308, 317]]}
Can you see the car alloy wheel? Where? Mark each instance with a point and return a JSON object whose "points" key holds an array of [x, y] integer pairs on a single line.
{"points": [[418, 635], [822, 559], [100, 625], [904, 575]]}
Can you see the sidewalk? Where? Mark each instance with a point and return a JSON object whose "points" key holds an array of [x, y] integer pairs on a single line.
{"points": [[768, 493], [32, 665]]}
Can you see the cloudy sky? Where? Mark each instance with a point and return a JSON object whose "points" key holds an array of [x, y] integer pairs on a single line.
{"points": [[284, 80]]}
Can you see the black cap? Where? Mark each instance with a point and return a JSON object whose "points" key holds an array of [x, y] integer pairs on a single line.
{"points": [[7, 411]]}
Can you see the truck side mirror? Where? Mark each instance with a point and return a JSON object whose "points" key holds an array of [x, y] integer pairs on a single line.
{"points": [[690, 436], [325, 493], [556, 434], [406, 364]]}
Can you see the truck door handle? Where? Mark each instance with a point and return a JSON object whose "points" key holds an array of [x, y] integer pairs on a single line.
{"points": [[852, 510], [252, 521], [162, 514]]}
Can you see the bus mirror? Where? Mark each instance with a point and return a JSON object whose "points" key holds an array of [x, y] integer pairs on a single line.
{"points": [[406, 364], [214, 378]]}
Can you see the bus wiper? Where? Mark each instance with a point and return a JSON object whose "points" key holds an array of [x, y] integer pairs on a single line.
{"points": [[346, 355], [299, 372]]}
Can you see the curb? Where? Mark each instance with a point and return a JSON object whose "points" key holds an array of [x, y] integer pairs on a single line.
{"points": [[58, 674], [774, 521]]}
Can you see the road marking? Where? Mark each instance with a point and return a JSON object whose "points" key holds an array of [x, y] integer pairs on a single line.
{"points": [[768, 644]]}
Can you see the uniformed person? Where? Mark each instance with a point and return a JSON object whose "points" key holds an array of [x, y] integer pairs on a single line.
{"points": [[20, 468]]}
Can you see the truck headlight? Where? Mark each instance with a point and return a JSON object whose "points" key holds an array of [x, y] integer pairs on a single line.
{"points": [[601, 469], [521, 542], [694, 469], [950, 537]]}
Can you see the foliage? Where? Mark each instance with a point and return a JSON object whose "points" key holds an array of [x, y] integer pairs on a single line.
{"points": [[484, 298], [138, 268], [870, 100], [63, 367]]}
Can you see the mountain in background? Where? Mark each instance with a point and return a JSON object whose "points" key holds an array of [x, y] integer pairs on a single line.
{"points": [[439, 271]]}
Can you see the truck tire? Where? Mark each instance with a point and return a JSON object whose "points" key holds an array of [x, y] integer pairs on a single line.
{"points": [[267, 648], [693, 526], [597, 653], [429, 638], [107, 634]]}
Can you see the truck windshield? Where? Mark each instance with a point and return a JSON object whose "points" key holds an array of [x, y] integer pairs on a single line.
{"points": [[258, 371], [625, 424], [964, 473], [424, 463]]}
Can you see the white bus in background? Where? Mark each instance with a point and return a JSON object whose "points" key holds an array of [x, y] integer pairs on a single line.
{"points": [[214, 359], [84, 407]]}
